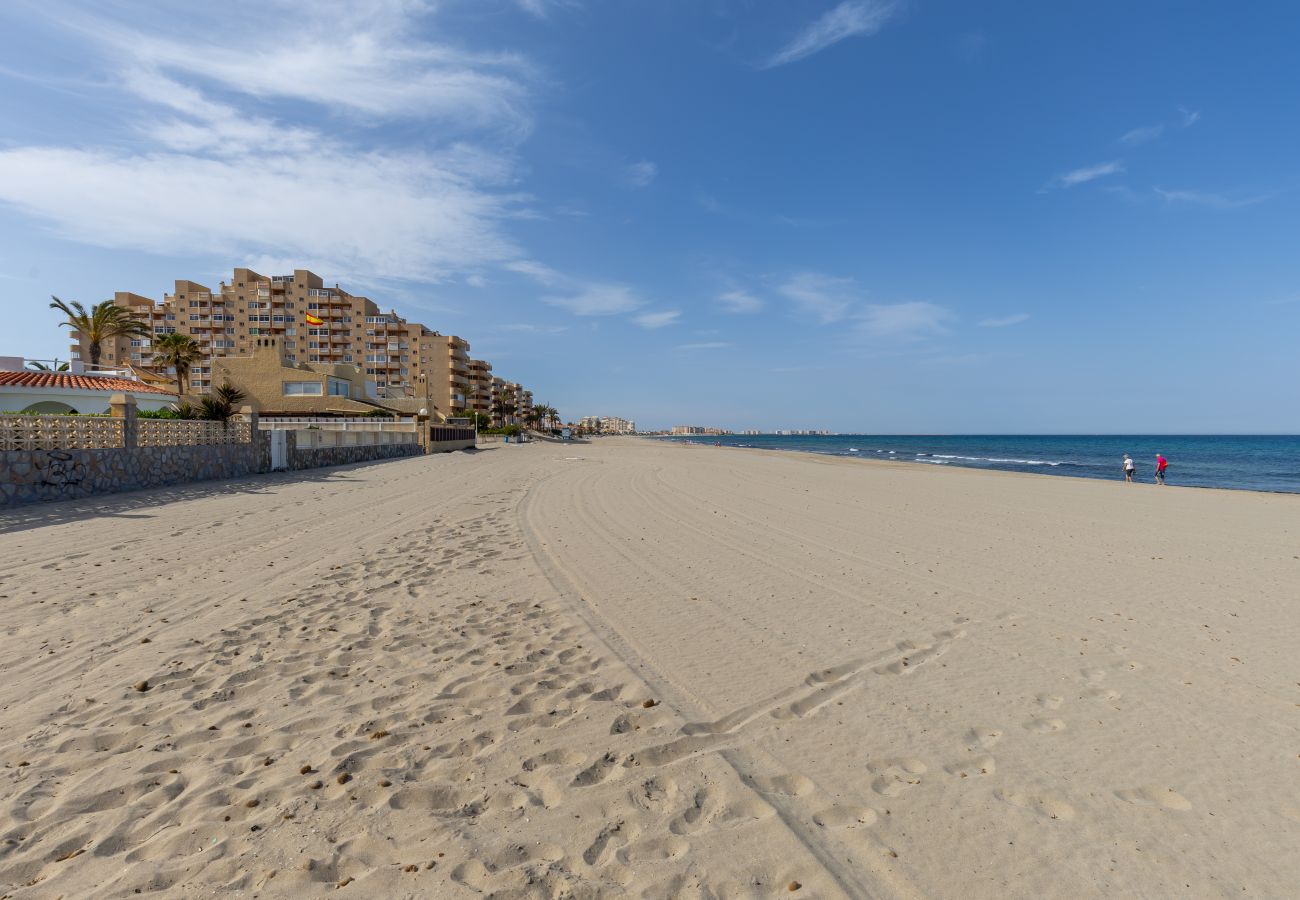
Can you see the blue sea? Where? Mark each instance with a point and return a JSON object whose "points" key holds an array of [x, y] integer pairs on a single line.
{"points": [[1243, 462]]}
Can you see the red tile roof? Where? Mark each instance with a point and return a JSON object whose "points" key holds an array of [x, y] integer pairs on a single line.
{"points": [[66, 381]]}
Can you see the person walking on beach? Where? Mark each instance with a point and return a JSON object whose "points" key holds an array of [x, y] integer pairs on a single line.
{"points": [[1161, 465], [1129, 469]]}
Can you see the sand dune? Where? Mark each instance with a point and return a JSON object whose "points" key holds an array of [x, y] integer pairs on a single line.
{"points": [[648, 670]]}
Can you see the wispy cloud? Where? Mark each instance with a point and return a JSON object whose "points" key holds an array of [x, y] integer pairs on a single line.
{"points": [[824, 297], [705, 345], [640, 174], [739, 302], [354, 214], [1087, 173], [849, 19], [359, 211], [1212, 200], [537, 271], [1004, 321], [1147, 133], [903, 321], [658, 319], [597, 299], [542, 8], [1142, 135]]}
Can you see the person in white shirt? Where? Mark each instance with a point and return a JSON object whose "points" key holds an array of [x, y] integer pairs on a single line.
{"points": [[1129, 469]]}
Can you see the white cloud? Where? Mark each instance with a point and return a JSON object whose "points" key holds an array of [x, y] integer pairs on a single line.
{"points": [[1004, 321], [476, 281], [706, 345], [537, 271], [903, 321], [353, 213], [848, 19], [658, 319], [1189, 116], [597, 299], [1142, 135], [1212, 200], [360, 57], [1086, 174], [542, 8], [826, 298], [225, 178], [739, 302], [640, 174]]}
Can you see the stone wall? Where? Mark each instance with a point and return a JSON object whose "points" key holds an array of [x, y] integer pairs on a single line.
{"points": [[448, 446], [28, 476], [338, 456]]}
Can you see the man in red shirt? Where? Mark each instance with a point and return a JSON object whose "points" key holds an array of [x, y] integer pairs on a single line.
{"points": [[1161, 465]]}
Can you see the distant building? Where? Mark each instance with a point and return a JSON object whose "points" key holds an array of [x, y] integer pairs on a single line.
{"points": [[699, 429], [608, 424]]}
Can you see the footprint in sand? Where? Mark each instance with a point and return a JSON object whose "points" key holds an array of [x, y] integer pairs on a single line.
{"points": [[975, 768], [1044, 726], [1050, 701], [983, 737], [1148, 795], [654, 793], [610, 839], [792, 784], [845, 816], [1105, 694], [894, 776], [597, 771], [1045, 805], [702, 808], [654, 850]]}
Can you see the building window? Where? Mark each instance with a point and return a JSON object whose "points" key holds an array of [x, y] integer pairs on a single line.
{"points": [[302, 389], [339, 387]]}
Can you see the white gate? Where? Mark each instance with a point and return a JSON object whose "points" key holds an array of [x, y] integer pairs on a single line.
{"points": [[279, 450]]}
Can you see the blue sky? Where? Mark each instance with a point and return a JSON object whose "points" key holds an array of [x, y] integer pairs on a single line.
{"points": [[913, 216]]}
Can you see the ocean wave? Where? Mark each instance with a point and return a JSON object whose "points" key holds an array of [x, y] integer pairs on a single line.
{"points": [[998, 459]]}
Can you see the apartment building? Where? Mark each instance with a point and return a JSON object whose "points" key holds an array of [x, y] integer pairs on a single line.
{"points": [[447, 373], [608, 424], [310, 324], [480, 390], [313, 323], [519, 397]]}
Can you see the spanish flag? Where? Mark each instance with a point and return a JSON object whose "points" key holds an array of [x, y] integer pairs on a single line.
{"points": [[312, 320]]}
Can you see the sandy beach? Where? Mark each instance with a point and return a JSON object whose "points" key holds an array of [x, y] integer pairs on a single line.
{"points": [[645, 669]]}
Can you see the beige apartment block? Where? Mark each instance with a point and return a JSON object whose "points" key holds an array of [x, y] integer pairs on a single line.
{"points": [[448, 380], [480, 398], [391, 352]]}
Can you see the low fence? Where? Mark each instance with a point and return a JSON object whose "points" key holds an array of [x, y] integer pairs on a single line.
{"points": [[185, 432], [439, 433], [322, 433], [60, 432], [68, 457]]}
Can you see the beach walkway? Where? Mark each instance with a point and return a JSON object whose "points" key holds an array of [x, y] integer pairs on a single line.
{"points": [[648, 669]]}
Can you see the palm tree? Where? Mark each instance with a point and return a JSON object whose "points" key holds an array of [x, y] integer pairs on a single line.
{"points": [[42, 367], [179, 352], [222, 404], [103, 322]]}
